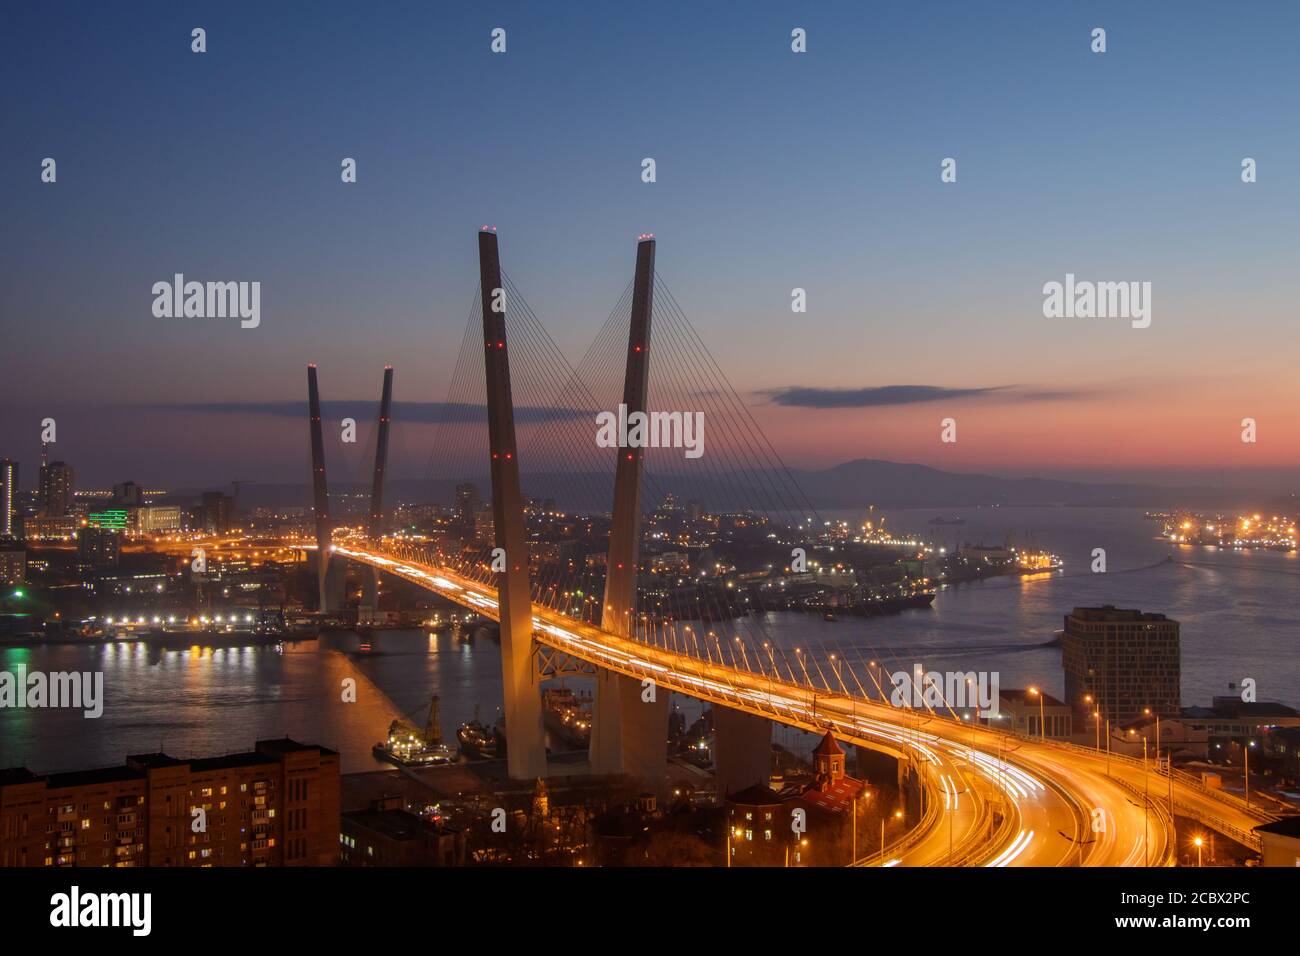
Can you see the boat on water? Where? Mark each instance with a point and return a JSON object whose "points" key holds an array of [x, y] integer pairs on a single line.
{"points": [[206, 637], [567, 717], [478, 741], [408, 746], [829, 616]]}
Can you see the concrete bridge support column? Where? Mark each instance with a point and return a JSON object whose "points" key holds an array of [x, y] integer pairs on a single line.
{"points": [[629, 731], [336, 586], [525, 739], [375, 526], [742, 750], [320, 494], [369, 595], [911, 791], [621, 721]]}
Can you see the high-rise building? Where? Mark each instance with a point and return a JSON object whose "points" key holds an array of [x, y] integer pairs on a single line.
{"points": [[484, 526], [466, 507], [127, 493], [1121, 663], [156, 518], [13, 566], [8, 491], [55, 490], [99, 547], [277, 805], [218, 512], [60, 528]]}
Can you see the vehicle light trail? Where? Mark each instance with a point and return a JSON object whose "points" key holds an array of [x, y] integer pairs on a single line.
{"points": [[951, 756]]}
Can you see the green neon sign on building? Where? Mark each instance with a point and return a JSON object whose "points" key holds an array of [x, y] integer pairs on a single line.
{"points": [[112, 518]]}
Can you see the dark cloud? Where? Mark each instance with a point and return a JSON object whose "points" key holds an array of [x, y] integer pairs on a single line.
{"points": [[796, 396], [419, 412]]}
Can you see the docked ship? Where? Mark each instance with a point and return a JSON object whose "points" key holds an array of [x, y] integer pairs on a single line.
{"points": [[567, 717], [408, 746], [478, 741]]}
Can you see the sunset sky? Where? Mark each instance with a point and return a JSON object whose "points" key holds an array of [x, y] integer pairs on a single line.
{"points": [[775, 171]]}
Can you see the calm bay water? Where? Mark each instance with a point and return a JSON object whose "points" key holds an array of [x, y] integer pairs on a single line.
{"points": [[1240, 615], [204, 701], [1239, 610]]}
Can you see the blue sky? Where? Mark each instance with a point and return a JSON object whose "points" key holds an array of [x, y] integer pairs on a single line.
{"points": [[775, 170]]}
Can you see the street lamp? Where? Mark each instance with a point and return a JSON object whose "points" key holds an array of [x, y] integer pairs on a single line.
{"points": [[1042, 726], [1146, 799], [1147, 712], [835, 666], [1245, 752], [1096, 716], [1108, 746], [898, 815], [1199, 843]]}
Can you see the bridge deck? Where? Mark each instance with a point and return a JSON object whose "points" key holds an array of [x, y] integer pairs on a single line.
{"points": [[1059, 803]]}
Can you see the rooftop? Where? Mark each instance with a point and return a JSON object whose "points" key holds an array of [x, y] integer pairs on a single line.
{"points": [[16, 775], [1235, 707], [287, 745], [1287, 826], [759, 795], [137, 765], [1110, 613], [227, 761], [829, 747], [395, 824], [836, 797], [152, 761], [82, 778], [1021, 695]]}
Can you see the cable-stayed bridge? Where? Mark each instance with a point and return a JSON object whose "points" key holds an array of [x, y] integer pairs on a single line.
{"points": [[987, 797]]}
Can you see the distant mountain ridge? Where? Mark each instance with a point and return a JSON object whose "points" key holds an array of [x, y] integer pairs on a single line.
{"points": [[853, 484], [890, 484]]}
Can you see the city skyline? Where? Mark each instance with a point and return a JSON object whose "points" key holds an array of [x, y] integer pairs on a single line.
{"points": [[838, 437]]}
